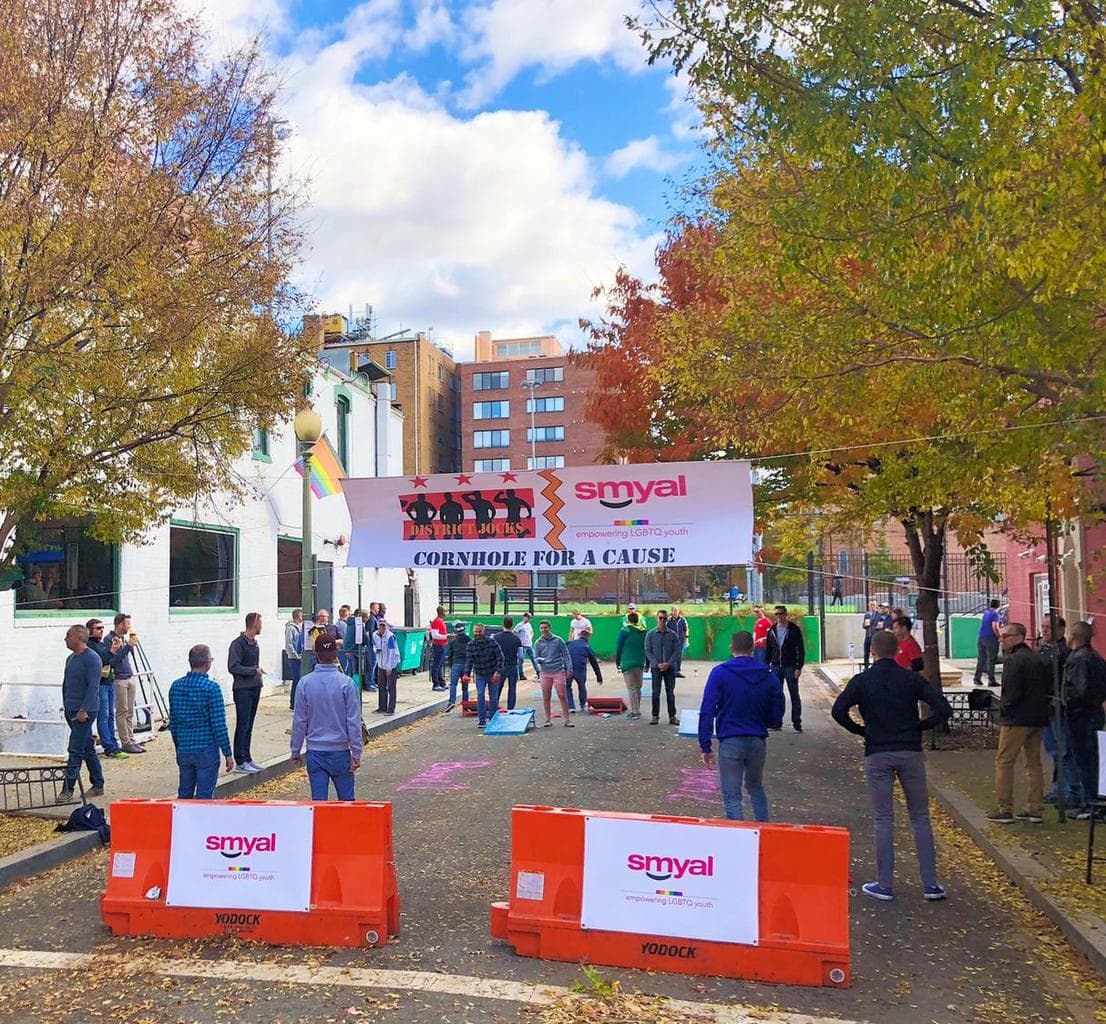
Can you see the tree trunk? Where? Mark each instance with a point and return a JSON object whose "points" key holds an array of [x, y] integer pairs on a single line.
{"points": [[925, 537]]}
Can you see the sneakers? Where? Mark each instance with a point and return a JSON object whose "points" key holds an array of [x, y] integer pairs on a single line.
{"points": [[449, 708], [797, 727], [1001, 817], [94, 791], [934, 892], [679, 675], [245, 769], [633, 715], [1034, 819], [572, 711], [877, 892], [254, 765], [133, 748], [117, 755], [481, 724]]}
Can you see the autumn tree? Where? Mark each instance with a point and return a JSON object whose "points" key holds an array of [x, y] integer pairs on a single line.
{"points": [[143, 265], [581, 579]]}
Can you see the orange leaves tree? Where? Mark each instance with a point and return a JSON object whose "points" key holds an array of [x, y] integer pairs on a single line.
{"points": [[143, 264]]}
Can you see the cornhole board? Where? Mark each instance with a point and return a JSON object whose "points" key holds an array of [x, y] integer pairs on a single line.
{"points": [[612, 705], [689, 724], [511, 723]]}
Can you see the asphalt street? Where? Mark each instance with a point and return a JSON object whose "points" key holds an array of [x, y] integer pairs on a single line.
{"points": [[983, 955]]}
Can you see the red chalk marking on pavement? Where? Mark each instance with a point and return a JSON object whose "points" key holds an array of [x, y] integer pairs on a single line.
{"points": [[439, 775], [699, 785]]}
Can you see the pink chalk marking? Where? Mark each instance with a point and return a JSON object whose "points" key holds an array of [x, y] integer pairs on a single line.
{"points": [[438, 776], [698, 785]]}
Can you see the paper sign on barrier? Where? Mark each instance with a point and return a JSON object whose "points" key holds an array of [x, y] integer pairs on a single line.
{"points": [[667, 878], [232, 857]]}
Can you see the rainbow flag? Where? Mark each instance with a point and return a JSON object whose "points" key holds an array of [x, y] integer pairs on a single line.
{"points": [[326, 470]]}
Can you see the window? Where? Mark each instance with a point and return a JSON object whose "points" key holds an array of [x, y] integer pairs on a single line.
{"points": [[491, 465], [528, 347], [393, 393], [546, 462], [261, 444], [203, 565], [540, 405], [545, 374], [843, 563], [491, 439], [441, 373], [289, 564], [491, 410], [64, 567], [549, 579], [390, 359], [491, 381], [342, 405], [545, 434]]}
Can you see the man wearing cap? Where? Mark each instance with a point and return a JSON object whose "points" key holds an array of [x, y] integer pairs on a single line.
{"points": [[455, 655], [328, 718], [386, 651]]}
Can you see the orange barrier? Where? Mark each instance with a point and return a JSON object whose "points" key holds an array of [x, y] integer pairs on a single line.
{"points": [[803, 897], [354, 899]]}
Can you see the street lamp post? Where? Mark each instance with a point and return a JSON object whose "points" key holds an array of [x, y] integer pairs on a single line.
{"points": [[531, 385], [309, 428]]}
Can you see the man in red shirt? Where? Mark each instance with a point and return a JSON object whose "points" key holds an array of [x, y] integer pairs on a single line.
{"points": [[439, 638], [909, 655], [761, 625]]}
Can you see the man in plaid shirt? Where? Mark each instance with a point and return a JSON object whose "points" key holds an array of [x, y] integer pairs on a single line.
{"points": [[198, 724], [484, 659]]}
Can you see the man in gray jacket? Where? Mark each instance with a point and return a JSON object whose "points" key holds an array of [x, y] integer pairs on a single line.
{"points": [[662, 646], [80, 695]]}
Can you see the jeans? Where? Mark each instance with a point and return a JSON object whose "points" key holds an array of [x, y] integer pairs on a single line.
{"points": [[455, 674], [485, 709], [294, 666], [867, 650], [741, 758], [909, 767], [509, 678], [1072, 787], [523, 654], [761, 654], [668, 676], [1011, 739], [198, 774], [437, 660], [1084, 726], [632, 678], [386, 689], [323, 766], [789, 676], [581, 682], [986, 658], [105, 720], [82, 751], [245, 711]]}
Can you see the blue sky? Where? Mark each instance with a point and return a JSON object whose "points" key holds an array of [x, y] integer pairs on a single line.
{"points": [[470, 165]]}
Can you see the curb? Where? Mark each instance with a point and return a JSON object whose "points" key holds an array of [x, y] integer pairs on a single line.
{"points": [[1084, 932], [55, 852]]}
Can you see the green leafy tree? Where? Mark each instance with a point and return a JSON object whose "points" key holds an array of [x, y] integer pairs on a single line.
{"points": [[143, 261], [497, 578], [581, 579]]}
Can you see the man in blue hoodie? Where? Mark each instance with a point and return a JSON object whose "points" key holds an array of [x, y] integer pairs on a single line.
{"points": [[746, 700]]}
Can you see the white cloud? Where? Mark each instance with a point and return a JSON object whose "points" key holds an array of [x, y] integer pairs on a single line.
{"points": [[684, 115], [234, 23], [644, 154], [460, 224], [432, 25], [506, 36]]}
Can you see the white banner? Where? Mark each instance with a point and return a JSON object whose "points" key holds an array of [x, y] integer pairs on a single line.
{"points": [[601, 517], [673, 879], [240, 858]]}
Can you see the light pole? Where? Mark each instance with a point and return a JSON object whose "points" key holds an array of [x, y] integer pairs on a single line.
{"points": [[309, 428], [531, 385]]}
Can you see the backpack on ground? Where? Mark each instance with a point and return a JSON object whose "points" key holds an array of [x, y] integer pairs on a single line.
{"points": [[87, 818]]}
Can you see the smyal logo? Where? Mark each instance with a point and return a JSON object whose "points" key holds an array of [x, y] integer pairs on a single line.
{"points": [[620, 493], [235, 846], [660, 869]]}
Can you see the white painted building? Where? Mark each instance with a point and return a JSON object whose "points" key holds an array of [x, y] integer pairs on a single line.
{"points": [[193, 579]]}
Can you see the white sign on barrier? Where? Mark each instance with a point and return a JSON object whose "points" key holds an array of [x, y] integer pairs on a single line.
{"points": [[673, 879], [240, 857]]}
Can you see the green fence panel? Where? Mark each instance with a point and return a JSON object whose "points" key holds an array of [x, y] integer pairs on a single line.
{"points": [[965, 634]]}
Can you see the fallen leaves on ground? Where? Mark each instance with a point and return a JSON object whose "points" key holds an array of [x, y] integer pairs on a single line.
{"points": [[18, 832]]}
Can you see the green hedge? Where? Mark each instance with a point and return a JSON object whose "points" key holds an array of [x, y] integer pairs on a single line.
{"points": [[710, 634]]}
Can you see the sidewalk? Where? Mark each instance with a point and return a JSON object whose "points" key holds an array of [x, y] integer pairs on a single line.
{"points": [[154, 773], [1047, 862]]}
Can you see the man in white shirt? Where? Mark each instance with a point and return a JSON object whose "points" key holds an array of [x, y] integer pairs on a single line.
{"points": [[386, 650], [525, 631], [578, 625]]}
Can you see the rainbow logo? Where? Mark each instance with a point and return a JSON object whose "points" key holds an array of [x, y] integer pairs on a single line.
{"points": [[668, 892], [233, 868], [631, 522], [326, 471]]}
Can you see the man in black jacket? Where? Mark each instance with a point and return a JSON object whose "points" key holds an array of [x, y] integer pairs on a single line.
{"points": [[887, 696], [1084, 694], [1023, 715], [786, 655], [244, 666], [511, 646], [1060, 651]]}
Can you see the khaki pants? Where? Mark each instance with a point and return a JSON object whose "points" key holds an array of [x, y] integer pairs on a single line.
{"points": [[125, 690], [1011, 739], [632, 678]]}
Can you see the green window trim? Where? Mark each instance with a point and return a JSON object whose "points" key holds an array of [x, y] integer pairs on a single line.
{"points": [[73, 614], [213, 528], [261, 457]]}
